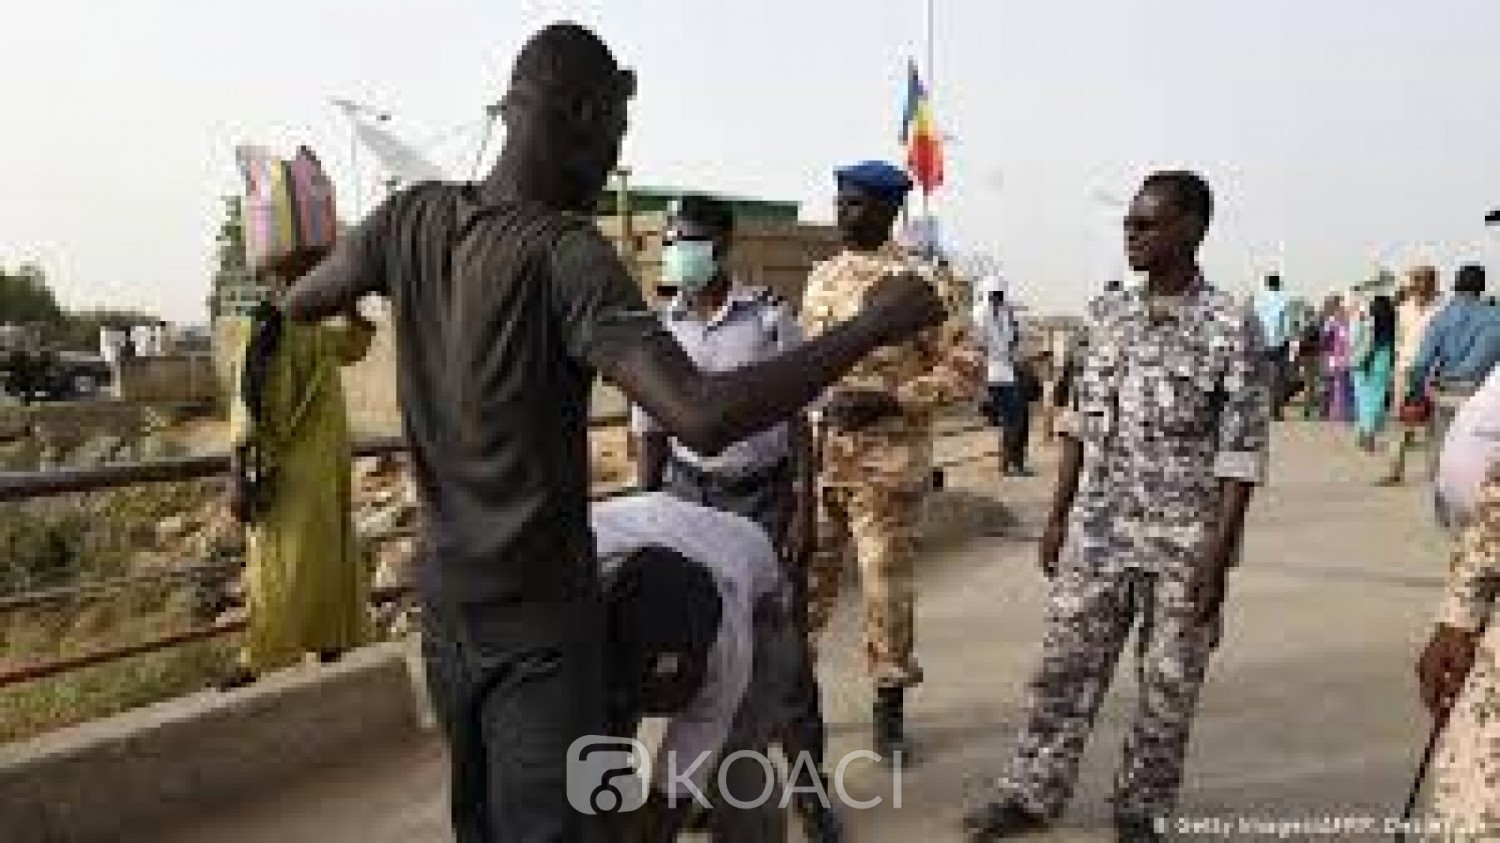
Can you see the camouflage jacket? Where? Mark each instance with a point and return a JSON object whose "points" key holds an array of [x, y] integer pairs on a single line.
{"points": [[941, 366], [1475, 571], [1167, 403]]}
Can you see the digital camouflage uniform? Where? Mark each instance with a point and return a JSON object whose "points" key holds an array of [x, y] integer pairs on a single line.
{"points": [[1170, 399], [1466, 788], [872, 482]]}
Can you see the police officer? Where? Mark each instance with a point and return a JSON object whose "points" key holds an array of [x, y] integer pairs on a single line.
{"points": [[723, 324]]}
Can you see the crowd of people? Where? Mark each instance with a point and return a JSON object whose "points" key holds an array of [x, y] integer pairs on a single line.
{"points": [[1391, 362], [778, 446]]}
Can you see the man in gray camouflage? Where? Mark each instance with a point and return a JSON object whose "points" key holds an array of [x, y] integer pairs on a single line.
{"points": [[1164, 440]]}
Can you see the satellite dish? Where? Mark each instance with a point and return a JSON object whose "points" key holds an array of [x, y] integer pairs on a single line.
{"points": [[401, 161]]}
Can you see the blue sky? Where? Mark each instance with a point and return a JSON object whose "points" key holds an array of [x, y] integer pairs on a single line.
{"points": [[1337, 133]]}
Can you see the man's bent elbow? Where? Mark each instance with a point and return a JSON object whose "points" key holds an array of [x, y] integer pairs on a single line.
{"points": [[300, 306], [704, 430]]}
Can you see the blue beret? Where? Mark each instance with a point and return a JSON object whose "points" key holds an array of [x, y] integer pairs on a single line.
{"points": [[876, 177]]}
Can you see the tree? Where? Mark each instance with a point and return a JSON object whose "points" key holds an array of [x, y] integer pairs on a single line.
{"points": [[233, 282], [25, 298], [231, 237]]}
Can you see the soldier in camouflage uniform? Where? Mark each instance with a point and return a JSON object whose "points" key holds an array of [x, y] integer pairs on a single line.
{"points": [[875, 437], [1165, 438], [1460, 674]]}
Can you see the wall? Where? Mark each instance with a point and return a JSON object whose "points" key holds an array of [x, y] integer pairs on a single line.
{"points": [[168, 379], [128, 776], [370, 385], [67, 424]]}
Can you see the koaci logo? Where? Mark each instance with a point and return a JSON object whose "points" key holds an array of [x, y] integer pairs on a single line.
{"points": [[607, 775]]}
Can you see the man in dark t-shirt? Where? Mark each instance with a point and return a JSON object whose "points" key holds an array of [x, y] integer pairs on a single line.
{"points": [[506, 302]]}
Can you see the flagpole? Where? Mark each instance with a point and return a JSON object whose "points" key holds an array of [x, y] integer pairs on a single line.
{"points": [[359, 199], [931, 83], [931, 62]]}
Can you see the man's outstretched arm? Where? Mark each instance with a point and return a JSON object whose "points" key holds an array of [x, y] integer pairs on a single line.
{"points": [[710, 412], [605, 321], [351, 271]]}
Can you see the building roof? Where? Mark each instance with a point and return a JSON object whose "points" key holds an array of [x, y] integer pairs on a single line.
{"points": [[657, 198]]}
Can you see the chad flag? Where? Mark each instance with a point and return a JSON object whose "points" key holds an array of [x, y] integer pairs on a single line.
{"points": [[924, 149]]}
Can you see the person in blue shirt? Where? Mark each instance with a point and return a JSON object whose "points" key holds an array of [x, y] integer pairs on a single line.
{"points": [[1274, 312], [1460, 348]]}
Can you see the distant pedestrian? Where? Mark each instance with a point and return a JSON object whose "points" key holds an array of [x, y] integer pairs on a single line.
{"points": [[1374, 355], [1460, 349], [1168, 435], [1273, 309], [1337, 348], [1418, 307], [1029, 380], [1000, 333], [1309, 366]]}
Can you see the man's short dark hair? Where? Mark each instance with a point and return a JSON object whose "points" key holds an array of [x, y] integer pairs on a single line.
{"points": [[1273, 282], [1470, 279], [569, 63], [708, 211], [664, 611], [1189, 190]]}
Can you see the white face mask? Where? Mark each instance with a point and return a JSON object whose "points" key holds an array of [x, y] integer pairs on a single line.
{"points": [[689, 265]]}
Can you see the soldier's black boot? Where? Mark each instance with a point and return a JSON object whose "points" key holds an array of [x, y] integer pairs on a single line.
{"points": [[1001, 820], [890, 723]]}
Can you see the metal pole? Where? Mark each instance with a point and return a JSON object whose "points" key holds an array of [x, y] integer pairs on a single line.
{"points": [[359, 199], [931, 61], [931, 89], [627, 229]]}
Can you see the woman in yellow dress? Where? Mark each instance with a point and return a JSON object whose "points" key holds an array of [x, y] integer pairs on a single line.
{"points": [[306, 582]]}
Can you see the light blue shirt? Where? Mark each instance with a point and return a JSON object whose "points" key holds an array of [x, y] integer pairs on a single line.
{"points": [[752, 326], [1272, 308], [1461, 344]]}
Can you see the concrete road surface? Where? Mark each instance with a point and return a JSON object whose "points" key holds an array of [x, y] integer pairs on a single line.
{"points": [[1310, 714]]}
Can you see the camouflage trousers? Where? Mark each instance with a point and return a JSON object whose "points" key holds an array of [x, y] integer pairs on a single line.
{"points": [[1088, 620], [878, 528]]}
